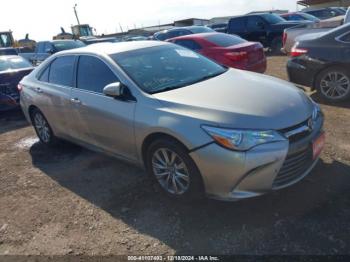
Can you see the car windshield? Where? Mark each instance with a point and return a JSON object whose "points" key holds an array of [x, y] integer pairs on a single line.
{"points": [[273, 18], [225, 40], [166, 67], [66, 45], [16, 62]]}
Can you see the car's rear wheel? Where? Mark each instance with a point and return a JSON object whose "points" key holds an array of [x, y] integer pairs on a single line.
{"points": [[169, 164], [42, 128], [333, 84]]}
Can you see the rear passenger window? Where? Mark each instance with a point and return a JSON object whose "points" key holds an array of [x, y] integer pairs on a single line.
{"points": [[44, 77], [237, 25], [190, 44], [94, 74], [61, 71]]}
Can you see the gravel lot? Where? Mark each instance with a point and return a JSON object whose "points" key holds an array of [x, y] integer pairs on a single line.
{"points": [[73, 201]]}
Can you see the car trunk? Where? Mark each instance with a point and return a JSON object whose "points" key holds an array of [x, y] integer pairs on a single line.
{"points": [[245, 55]]}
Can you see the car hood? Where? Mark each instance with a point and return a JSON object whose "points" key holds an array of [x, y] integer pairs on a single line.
{"points": [[240, 99]]}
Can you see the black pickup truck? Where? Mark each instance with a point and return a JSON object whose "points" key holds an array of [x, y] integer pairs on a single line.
{"points": [[266, 28], [45, 49]]}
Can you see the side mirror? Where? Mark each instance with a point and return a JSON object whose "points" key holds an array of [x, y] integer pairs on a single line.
{"points": [[113, 89]]}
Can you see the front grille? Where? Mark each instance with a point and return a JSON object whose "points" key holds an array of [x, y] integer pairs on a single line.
{"points": [[5, 89], [297, 136], [294, 167]]}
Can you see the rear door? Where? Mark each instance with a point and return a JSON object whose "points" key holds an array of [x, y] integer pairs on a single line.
{"points": [[53, 93], [102, 121]]}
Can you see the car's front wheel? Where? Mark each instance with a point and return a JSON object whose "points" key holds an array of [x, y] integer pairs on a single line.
{"points": [[169, 164], [42, 128], [333, 84]]}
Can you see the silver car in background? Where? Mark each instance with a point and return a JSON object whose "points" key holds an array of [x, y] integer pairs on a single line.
{"points": [[197, 127]]}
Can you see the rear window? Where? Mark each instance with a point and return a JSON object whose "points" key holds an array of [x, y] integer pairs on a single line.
{"points": [[225, 40]]}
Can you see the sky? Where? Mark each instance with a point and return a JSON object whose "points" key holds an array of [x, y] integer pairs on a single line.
{"points": [[42, 19]]}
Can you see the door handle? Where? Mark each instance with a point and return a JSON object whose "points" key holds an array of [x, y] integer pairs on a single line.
{"points": [[75, 101]]}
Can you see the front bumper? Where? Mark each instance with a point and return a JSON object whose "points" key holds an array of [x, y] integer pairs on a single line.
{"points": [[232, 175]]}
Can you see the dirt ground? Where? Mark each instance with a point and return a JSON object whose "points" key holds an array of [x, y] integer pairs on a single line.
{"points": [[73, 201]]}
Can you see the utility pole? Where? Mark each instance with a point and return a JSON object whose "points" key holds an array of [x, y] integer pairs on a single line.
{"points": [[76, 13]]}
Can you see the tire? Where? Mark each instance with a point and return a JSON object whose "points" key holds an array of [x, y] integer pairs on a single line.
{"points": [[333, 84], [173, 170], [42, 128], [276, 46]]}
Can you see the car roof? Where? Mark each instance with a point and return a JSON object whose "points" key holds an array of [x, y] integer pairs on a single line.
{"points": [[113, 48]]}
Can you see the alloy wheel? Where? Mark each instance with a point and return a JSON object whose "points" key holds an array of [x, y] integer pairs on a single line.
{"points": [[170, 171], [42, 128], [335, 85]]}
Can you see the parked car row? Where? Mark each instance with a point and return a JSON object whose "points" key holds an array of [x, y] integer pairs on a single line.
{"points": [[197, 127], [322, 61], [12, 69], [44, 49]]}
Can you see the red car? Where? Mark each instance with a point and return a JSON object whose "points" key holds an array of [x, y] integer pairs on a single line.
{"points": [[228, 50]]}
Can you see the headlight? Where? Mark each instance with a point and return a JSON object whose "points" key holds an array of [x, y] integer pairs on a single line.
{"points": [[242, 140]]}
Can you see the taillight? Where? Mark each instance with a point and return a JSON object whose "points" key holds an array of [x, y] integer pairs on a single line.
{"points": [[284, 39], [298, 52], [19, 87], [237, 56]]}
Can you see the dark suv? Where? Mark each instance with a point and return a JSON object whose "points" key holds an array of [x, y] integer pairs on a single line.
{"points": [[266, 28]]}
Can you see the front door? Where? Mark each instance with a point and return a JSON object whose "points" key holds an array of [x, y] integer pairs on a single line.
{"points": [[102, 121]]}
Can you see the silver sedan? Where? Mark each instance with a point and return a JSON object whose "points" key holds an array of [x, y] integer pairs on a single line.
{"points": [[197, 127]]}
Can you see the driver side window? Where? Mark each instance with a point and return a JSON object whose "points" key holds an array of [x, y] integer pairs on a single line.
{"points": [[93, 74]]}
